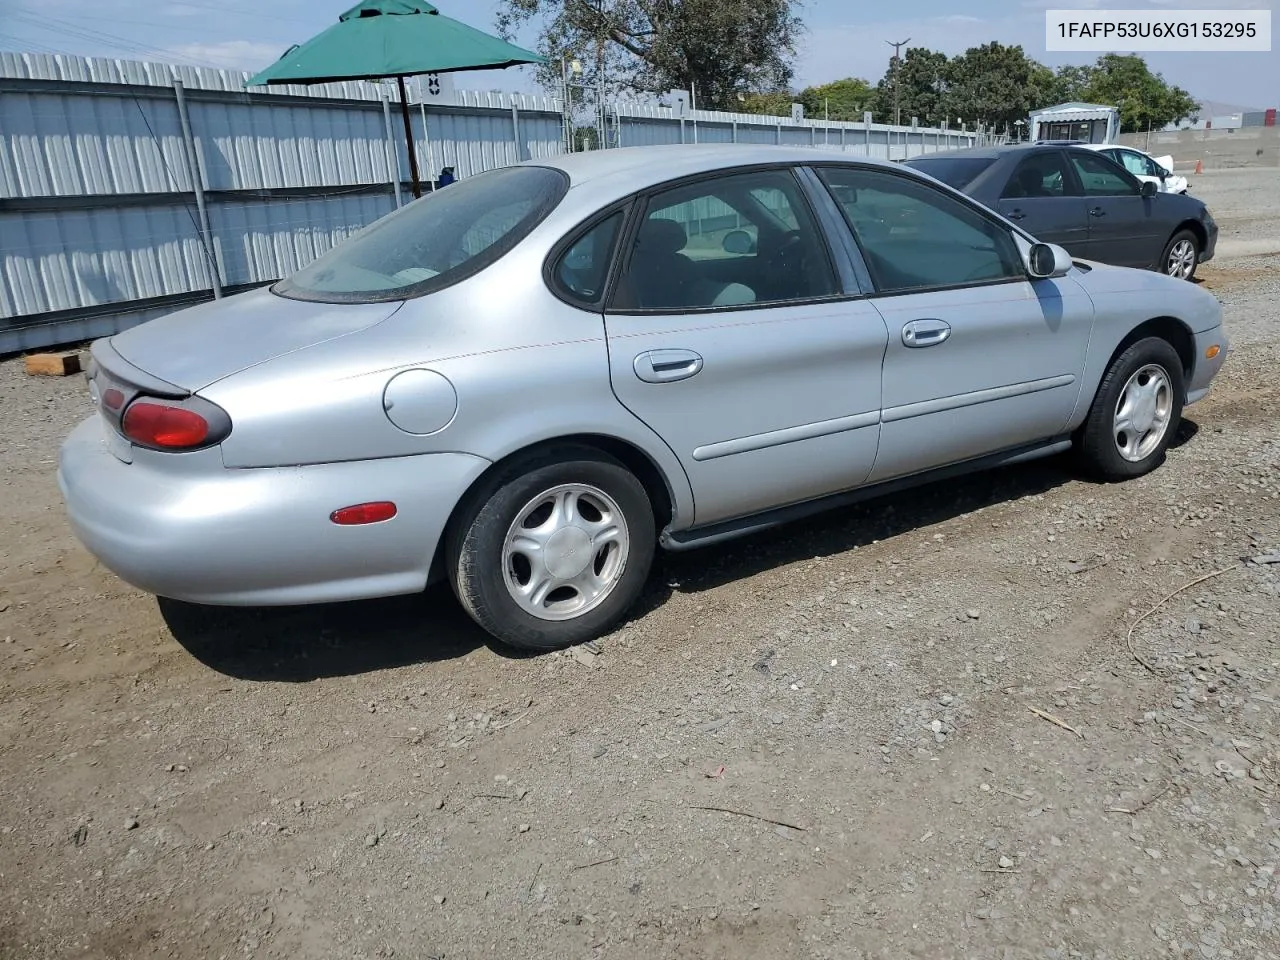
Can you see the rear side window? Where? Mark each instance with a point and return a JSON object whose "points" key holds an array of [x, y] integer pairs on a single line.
{"points": [[432, 243], [581, 271], [957, 172], [1039, 175]]}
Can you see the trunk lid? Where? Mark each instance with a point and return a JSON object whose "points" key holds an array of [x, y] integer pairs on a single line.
{"points": [[200, 345]]}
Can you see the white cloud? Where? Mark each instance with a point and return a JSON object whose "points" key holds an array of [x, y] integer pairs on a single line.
{"points": [[250, 55]]}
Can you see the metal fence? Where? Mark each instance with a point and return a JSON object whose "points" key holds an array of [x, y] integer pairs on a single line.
{"points": [[128, 189]]}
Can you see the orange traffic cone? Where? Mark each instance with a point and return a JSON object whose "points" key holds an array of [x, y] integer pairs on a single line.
{"points": [[1199, 166]]}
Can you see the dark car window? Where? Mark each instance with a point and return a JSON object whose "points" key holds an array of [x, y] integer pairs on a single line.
{"points": [[914, 236], [580, 272], [1100, 177], [1039, 175], [434, 242], [729, 241], [956, 172]]}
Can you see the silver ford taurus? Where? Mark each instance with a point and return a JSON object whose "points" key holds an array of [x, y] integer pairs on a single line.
{"points": [[528, 381]]}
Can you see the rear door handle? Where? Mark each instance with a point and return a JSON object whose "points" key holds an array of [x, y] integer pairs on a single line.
{"points": [[925, 333], [1097, 212], [667, 366], [1017, 215]]}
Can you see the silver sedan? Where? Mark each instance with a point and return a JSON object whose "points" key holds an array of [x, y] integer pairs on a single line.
{"points": [[528, 381]]}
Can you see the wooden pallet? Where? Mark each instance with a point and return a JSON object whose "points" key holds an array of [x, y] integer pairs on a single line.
{"points": [[53, 364]]}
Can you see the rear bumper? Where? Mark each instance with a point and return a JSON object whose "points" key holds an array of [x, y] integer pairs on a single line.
{"points": [[1205, 370], [183, 526]]}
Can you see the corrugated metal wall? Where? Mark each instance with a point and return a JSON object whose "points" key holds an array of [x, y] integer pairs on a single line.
{"points": [[641, 124], [100, 228], [99, 225]]}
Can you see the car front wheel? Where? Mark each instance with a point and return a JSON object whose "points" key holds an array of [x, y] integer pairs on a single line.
{"points": [[555, 550], [1181, 255], [1135, 413]]}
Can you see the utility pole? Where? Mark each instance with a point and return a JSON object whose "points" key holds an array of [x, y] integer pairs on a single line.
{"points": [[893, 68]]}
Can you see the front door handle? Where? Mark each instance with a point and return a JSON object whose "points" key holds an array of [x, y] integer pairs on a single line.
{"points": [[1017, 215], [925, 333], [1097, 212], [667, 366]]}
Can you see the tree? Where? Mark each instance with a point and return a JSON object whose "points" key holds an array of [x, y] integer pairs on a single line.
{"points": [[839, 100], [769, 103], [1146, 100], [717, 48], [996, 84], [921, 88], [1071, 83]]}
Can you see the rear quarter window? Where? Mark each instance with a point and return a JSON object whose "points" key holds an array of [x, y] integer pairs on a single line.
{"points": [[432, 243]]}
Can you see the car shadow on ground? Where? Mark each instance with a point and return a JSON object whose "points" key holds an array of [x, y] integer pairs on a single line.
{"points": [[300, 644], [844, 529]]}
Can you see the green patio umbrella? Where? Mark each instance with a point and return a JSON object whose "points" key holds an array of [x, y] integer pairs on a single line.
{"points": [[392, 38]]}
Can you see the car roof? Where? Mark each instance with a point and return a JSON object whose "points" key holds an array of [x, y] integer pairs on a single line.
{"points": [[644, 166]]}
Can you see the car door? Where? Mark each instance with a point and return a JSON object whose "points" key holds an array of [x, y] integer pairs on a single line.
{"points": [[745, 353], [981, 358], [1041, 197], [1123, 226]]}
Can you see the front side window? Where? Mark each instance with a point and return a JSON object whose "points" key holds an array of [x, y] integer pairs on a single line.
{"points": [[434, 242], [1100, 177], [730, 241], [915, 237], [1039, 175], [1137, 164]]}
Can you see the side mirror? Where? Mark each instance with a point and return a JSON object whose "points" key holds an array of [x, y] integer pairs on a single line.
{"points": [[1149, 189], [737, 242], [1048, 260]]}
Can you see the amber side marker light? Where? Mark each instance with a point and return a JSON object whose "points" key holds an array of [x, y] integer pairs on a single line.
{"points": [[1212, 352], [362, 513]]}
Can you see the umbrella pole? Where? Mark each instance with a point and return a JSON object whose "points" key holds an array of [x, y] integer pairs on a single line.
{"points": [[408, 138]]}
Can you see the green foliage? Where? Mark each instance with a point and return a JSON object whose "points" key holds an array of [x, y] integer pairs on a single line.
{"points": [[999, 85], [996, 83], [839, 100], [921, 89], [1145, 99], [769, 103], [717, 48]]}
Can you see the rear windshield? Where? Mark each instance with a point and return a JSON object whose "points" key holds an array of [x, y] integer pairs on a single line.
{"points": [[448, 235], [956, 172]]}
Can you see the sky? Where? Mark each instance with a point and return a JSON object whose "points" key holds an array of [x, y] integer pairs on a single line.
{"points": [[842, 38]]}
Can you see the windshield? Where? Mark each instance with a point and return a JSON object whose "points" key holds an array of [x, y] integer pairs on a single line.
{"points": [[447, 236], [956, 172]]}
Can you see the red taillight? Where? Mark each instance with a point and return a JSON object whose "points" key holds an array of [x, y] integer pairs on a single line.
{"points": [[360, 513], [112, 398], [160, 425]]}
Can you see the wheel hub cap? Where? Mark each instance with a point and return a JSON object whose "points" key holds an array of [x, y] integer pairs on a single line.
{"points": [[1143, 413], [565, 552], [1182, 258], [568, 553]]}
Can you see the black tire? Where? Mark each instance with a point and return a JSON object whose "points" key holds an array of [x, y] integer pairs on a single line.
{"points": [[475, 547], [1097, 445], [1165, 265]]}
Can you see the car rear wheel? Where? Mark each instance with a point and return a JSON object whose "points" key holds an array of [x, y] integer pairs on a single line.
{"points": [[1135, 413], [1181, 255], [554, 551]]}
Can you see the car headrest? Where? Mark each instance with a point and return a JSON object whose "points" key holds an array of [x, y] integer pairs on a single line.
{"points": [[661, 236]]}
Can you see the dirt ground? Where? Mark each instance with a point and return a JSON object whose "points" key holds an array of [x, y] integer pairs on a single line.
{"points": [[374, 780]]}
